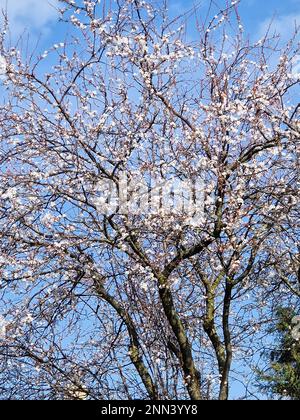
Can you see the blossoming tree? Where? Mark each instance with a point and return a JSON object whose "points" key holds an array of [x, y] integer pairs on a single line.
{"points": [[145, 305]]}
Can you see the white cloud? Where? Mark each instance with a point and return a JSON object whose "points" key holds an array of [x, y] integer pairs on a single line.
{"points": [[31, 15], [296, 66], [282, 25]]}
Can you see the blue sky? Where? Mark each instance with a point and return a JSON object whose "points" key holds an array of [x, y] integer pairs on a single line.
{"points": [[39, 17]]}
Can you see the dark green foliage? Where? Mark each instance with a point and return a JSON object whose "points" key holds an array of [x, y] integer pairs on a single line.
{"points": [[281, 379]]}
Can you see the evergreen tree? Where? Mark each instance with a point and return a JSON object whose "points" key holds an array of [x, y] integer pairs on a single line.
{"points": [[282, 376]]}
